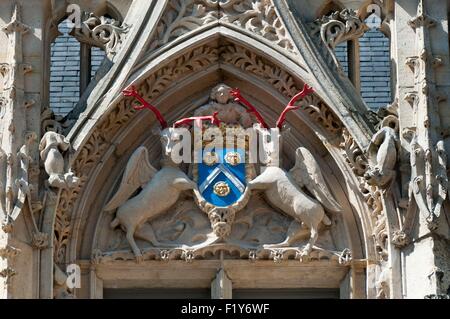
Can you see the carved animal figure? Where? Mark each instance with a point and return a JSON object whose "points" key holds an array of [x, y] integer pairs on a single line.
{"points": [[283, 190], [51, 147], [160, 191], [228, 111], [382, 155]]}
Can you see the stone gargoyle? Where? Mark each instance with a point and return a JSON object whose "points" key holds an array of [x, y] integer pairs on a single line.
{"points": [[382, 154]]}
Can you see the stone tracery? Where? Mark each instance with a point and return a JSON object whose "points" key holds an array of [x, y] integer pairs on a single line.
{"points": [[200, 44]]}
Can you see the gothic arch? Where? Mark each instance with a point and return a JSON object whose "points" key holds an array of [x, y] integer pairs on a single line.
{"points": [[176, 77]]}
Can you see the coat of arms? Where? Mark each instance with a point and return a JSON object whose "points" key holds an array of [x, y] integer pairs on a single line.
{"points": [[219, 148]]}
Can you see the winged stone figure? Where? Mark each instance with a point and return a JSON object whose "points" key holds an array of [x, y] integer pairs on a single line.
{"points": [[283, 190], [160, 189]]}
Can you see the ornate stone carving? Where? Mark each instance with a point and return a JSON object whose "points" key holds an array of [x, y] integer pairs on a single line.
{"points": [[160, 191], [400, 239], [52, 147], [382, 154], [182, 17], [372, 193], [422, 19], [373, 196], [8, 273], [15, 181], [343, 258], [178, 228], [9, 252], [256, 16], [259, 17], [153, 86], [353, 154], [282, 193], [107, 34], [228, 111], [382, 285], [193, 61], [429, 181], [337, 28], [248, 61], [14, 165]]}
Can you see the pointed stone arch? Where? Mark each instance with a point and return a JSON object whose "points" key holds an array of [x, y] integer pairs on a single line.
{"points": [[175, 77]]}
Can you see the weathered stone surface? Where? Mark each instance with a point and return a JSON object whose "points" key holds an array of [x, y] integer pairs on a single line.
{"points": [[373, 182]]}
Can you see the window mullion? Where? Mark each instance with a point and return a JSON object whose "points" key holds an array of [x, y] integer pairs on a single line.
{"points": [[85, 67], [354, 64]]}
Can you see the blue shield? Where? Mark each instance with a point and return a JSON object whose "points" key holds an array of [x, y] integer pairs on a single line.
{"points": [[222, 176]]}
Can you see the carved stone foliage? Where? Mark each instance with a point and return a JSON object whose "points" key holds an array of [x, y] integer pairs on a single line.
{"points": [[9, 252], [285, 83], [337, 28], [193, 61], [373, 195], [51, 122], [256, 16], [102, 32], [353, 154], [182, 17]]}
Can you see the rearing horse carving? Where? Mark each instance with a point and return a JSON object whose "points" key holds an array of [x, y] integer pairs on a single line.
{"points": [[284, 190]]}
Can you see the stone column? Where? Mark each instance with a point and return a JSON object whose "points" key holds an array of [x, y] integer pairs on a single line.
{"points": [[21, 25], [422, 75]]}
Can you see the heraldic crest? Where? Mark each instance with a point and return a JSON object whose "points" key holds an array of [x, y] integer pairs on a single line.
{"points": [[210, 198]]}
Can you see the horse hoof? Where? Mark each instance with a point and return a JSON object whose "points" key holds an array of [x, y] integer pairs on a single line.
{"points": [[139, 259]]}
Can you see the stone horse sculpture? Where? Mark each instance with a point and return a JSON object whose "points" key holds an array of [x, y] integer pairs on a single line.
{"points": [[160, 189], [284, 191]]}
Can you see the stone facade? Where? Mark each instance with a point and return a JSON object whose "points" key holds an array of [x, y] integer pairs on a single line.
{"points": [[92, 204]]}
